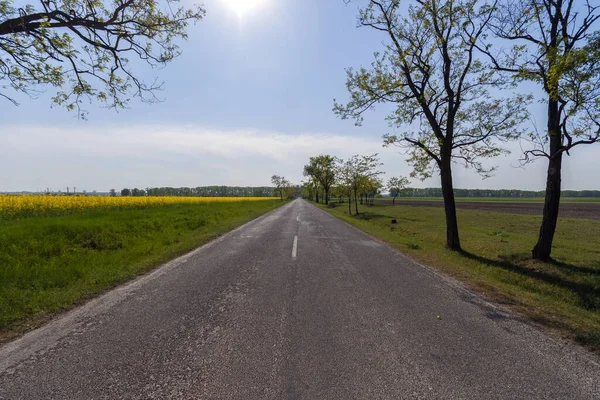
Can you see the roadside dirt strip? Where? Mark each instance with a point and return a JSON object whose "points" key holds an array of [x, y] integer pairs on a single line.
{"points": [[294, 305], [567, 210]]}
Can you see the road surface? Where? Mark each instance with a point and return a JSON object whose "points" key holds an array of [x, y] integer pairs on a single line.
{"points": [[294, 305]]}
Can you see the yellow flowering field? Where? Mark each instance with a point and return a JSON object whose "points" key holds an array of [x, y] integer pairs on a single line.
{"points": [[24, 206]]}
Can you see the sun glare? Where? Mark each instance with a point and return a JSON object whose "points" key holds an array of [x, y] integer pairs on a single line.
{"points": [[241, 7]]}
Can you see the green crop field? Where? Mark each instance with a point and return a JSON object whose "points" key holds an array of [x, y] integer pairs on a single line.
{"points": [[48, 264], [563, 295]]}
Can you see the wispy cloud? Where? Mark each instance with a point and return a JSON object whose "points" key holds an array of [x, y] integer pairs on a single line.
{"points": [[174, 156], [34, 157]]}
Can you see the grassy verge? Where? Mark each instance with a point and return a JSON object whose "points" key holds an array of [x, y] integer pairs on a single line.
{"points": [[50, 264], [563, 295]]}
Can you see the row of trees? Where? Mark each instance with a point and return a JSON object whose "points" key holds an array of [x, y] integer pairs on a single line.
{"points": [[200, 191], [504, 193], [451, 69], [356, 179], [213, 191]]}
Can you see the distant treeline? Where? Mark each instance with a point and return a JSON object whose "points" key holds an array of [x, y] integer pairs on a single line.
{"points": [[437, 192], [212, 191]]}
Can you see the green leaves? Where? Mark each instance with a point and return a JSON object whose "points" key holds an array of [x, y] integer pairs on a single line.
{"points": [[88, 59], [556, 45], [397, 184], [433, 76]]}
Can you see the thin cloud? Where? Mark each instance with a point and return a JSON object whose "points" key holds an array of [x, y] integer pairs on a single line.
{"points": [[35, 157]]}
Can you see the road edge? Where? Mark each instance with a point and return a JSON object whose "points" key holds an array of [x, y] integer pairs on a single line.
{"points": [[480, 299], [45, 337]]}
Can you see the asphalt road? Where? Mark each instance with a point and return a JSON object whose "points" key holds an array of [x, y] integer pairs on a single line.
{"points": [[295, 305]]}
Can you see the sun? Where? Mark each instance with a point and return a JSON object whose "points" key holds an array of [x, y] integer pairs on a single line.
{"points": [[241, 7]]}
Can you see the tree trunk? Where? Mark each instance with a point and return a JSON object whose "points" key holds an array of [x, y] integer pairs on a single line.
{"points": [[349, 203], [543, 248], [281, 194], [317, 196], [394, 201], [452, 238], [356, 201], [326, 196]]}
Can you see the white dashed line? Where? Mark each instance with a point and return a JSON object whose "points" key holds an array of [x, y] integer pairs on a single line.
{"points": [[295, 247]]}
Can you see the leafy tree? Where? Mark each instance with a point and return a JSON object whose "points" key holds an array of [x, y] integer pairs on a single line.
{"points": [[281, 185], [113, 192], [345, 174], [430, 71], [355, 172], [555, 46], [311, 172], [370, 187], [395, 185], [83, 47], [125, 192], [307, 190], [322, 169], [138, 192]]}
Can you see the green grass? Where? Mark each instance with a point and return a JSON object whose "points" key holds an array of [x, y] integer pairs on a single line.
{"points": [[499, 199], [563, 295], [49, 264]]}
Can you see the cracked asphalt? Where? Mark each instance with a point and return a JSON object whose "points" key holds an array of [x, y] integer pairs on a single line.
{"points": [[251, 315]]}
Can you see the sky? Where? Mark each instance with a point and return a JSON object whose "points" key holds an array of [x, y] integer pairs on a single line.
{"points": [[250, 96]]}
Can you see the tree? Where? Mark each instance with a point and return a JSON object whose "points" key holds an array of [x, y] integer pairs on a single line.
{"points": [[113, 192], [281, 184], [125, 192], [555, 47], [395, 185], [311, 172], [322, 169], [345, 175], [355, 172], [83, 47], [431, 73], [307, 190], [370, 187]]}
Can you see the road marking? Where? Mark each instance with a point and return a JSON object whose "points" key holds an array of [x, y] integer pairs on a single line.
{"points": [[298, 218], [295, 247]]}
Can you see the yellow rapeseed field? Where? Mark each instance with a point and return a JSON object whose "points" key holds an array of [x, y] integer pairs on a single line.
{"points": [[15, 207]]}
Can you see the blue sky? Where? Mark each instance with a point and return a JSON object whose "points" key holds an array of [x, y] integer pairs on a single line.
{"points": [[251, 96]]}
